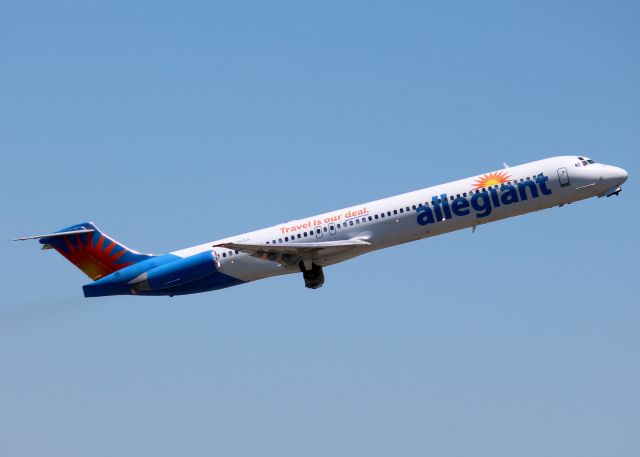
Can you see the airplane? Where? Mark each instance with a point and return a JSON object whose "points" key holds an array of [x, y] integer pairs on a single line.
{"points": [[308, 245]]}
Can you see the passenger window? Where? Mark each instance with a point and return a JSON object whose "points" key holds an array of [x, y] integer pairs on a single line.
{"points": [[286, 238], [389, 213], [376, 216], [299, 236], [401, 210]]}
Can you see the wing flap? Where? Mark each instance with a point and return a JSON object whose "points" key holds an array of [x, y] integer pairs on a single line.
{"points": [[292, 247], [292, 253]]}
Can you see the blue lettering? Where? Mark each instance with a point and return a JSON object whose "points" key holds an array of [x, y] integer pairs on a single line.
{"points": [[460, 206], [425, 216], [494, 197], [436, 208], [445, 206], [509, 194], [481, 202], [542, 182], [522, 188]]}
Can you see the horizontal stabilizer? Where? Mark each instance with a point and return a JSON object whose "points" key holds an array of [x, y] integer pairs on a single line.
{"points": [[53, 235]]}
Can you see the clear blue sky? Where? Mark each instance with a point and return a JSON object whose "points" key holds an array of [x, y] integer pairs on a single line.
{"points": [[175, 123]]}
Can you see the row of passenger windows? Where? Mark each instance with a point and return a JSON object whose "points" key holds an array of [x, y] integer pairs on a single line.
{"points": [[230, 253], [332, 227]]}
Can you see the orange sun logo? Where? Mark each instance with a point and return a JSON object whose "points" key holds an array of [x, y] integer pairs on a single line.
{"points": [[491, 179]]}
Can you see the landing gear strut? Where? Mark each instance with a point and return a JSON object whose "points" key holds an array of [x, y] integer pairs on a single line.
{"points": [[313, 277]]}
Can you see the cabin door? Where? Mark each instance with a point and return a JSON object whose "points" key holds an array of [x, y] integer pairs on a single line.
{"points": [[563, 176]]}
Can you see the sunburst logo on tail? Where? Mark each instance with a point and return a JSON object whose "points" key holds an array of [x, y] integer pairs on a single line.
{"points": [[491, 179]]}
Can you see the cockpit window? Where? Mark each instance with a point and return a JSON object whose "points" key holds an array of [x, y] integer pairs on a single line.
{"points": [[584, 161]]}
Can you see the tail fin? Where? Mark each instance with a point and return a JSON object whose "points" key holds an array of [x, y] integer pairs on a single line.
{"points": [[95, 253]]}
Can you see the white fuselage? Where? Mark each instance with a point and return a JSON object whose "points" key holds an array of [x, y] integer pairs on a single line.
{"points": [[423, 213]]}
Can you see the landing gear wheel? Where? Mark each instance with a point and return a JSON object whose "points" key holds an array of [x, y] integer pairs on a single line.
{"points": [[313, 277]]}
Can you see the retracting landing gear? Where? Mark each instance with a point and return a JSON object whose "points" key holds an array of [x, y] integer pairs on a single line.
{"points": [[313, 276]]}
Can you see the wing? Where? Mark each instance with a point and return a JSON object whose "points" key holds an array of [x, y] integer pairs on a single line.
{"points": [[292, 253]]}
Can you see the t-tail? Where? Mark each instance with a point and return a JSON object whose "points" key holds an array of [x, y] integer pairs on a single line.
{"points": [[89, 249]]}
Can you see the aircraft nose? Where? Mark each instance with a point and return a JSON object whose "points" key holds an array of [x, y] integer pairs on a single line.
{"points": [[620, 174], [613, 175], [623, 175]]}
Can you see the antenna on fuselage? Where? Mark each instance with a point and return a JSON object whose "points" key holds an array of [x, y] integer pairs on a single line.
{"points": [[505, 165]]}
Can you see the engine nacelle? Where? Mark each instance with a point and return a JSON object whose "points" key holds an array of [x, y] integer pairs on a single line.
{"points": [[176, 273]]}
